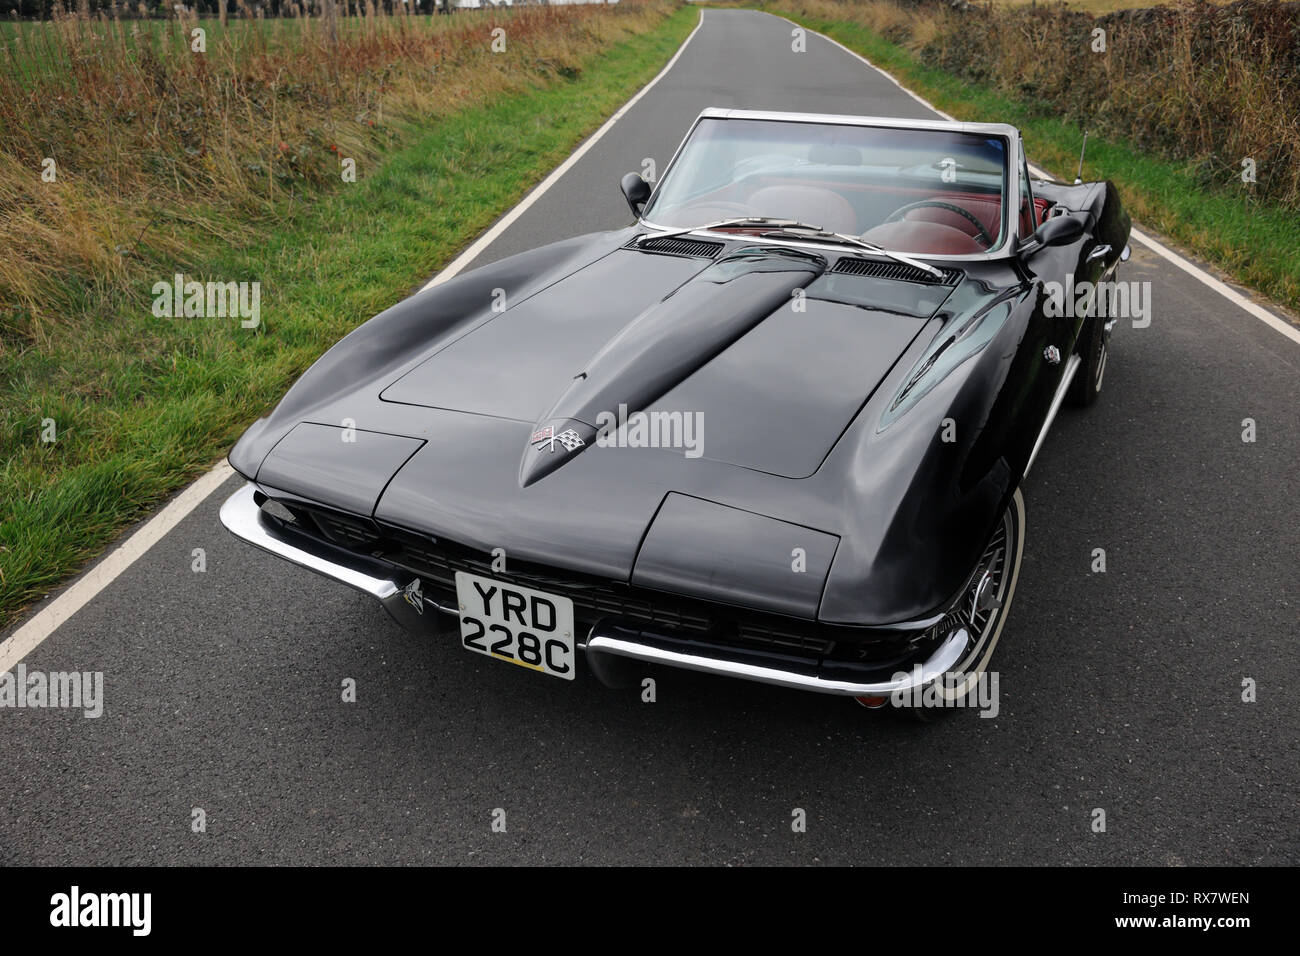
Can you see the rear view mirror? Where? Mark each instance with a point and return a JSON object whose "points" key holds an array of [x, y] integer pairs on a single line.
{"points": [[636, 191], [1055, 232]]}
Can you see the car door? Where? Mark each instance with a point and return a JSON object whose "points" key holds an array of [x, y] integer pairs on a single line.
{"points": [[1054, 323]]}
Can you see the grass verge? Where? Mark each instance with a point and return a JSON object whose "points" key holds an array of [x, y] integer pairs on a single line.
{"points": [[172, 394]]}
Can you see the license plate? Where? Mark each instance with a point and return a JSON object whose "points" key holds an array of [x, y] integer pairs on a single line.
{"points": [[517, 625]]}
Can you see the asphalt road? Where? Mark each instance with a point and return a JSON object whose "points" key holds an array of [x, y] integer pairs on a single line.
{"points": [[1120, 691]]}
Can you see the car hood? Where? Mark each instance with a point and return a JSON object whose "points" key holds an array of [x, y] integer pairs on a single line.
{"points": [[760, 359], [817, 384]]}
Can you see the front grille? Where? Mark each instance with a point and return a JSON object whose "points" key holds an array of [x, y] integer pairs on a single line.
{"points": [[768, 637], [593, 598], [348, 530], [677, 246], [893, 270]]}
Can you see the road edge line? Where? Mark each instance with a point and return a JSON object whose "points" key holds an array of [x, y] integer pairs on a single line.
{"points": [[86, 586]]}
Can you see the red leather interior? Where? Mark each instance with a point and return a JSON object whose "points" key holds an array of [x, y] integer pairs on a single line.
{"points": [[930, 229], [986, 211], [928, 238], [823, 207], [1028, 224]]}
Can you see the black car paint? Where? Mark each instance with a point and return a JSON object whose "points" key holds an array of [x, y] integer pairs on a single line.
{"points": [[910, 511]]}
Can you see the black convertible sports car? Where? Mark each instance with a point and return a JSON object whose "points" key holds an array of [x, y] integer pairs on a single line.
{"points": [[775, 429]]}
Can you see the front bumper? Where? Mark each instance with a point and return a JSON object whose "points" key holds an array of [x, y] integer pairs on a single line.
{"points": [[391, 586]]}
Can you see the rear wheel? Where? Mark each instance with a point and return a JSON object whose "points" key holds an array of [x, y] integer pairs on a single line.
{"points": [[1094, 349], [982, 612]]}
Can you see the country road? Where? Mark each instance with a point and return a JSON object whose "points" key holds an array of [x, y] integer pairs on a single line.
{"points": [[1120, 691]]}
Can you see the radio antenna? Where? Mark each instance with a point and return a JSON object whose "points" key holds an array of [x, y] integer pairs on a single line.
{"points": [[1079, 178]]}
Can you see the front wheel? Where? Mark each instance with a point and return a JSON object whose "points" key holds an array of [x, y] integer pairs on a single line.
{"points": [[982, 612]]}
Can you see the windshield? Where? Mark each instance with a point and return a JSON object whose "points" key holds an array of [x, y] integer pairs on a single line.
{"points": [[935, 192]]}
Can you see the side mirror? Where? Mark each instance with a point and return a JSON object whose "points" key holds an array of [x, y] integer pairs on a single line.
{"points": [[1055, 232], [636, 191]]}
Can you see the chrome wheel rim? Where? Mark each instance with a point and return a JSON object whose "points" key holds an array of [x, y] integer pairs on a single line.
{"points": [[983, 609]]}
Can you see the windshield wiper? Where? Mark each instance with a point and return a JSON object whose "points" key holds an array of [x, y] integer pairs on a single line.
{"points": [[812, 232], [801, 229], [725, 223]]}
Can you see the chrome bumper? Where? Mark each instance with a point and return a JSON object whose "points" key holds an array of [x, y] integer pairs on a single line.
{"points": [[941, 661], [381, 580], [389, 585]]}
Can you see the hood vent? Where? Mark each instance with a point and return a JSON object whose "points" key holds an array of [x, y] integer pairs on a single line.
{"points": [[677, 246], [894, 270]]}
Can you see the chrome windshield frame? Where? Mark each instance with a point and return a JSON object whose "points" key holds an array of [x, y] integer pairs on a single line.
{"points": [[1014, 151]]}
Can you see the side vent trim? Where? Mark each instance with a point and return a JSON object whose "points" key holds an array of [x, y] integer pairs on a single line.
{"points": [[677, 246], [848, 265]]}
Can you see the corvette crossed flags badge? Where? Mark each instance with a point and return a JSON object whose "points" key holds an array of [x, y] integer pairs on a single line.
{"points": [[568, 438]]}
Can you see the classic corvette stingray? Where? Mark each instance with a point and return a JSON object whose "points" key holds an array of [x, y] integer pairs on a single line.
{"points": [[775, 429]]}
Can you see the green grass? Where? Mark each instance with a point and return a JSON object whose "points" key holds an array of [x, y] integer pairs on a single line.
{"points": [[1257, 244], [142, 405]]}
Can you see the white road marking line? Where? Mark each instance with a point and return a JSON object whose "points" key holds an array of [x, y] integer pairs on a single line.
{"points": [[1159, 248], [28, 637], [1225, 290], [506, 221]]}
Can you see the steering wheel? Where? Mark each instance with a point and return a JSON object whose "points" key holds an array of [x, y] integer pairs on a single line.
{"points": [[980, 232]]}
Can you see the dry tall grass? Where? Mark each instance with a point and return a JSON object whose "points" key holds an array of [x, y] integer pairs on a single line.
{"points": [[1207, 83], [154, 141]]}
